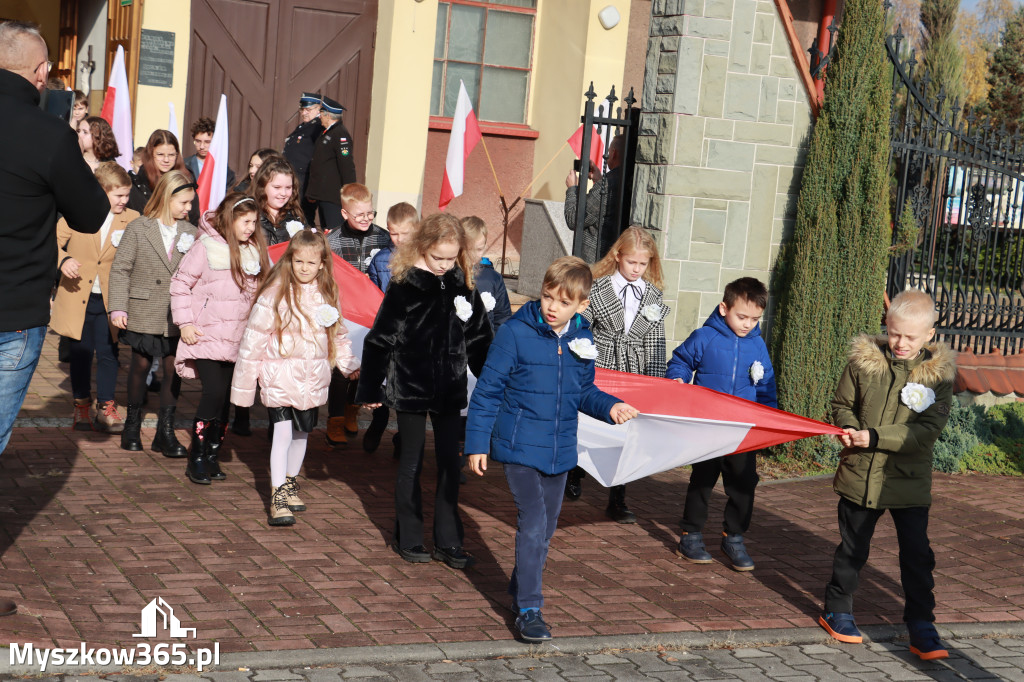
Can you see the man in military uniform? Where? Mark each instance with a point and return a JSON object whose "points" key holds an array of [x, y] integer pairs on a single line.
{"points": [[299, 146], [332, 166]]}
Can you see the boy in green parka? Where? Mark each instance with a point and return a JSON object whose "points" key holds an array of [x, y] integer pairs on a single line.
{"points": [[892, 402]]}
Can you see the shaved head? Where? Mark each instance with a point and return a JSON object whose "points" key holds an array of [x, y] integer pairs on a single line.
{"points": [[23, 51]]}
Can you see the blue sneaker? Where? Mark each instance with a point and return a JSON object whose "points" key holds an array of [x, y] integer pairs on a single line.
{"points": [[733, 547], [691, 547], [532, 627], [925, 642], [841, 626]]}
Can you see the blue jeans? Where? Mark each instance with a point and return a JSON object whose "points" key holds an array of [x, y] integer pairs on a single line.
{"points": [[538, 498], [19, 355]]}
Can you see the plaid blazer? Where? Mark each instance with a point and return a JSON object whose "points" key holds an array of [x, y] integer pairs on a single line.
{"points": [[140, 278], [357, 250], [641, 349]]}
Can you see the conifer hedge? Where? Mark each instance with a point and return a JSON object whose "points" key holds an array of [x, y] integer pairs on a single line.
{"points": [[832, 271]]}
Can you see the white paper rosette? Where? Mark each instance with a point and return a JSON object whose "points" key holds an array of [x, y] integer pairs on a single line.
{"points": [[251, 267], [115, 238], [756, 371], [293, 227], [917, 397], [185, 242], [488, 300], [463, 308], [652, 312], [583, 349], [326, 315]]}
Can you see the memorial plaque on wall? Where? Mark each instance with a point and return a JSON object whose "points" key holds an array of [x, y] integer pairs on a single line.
{"points": [[156, 58]]}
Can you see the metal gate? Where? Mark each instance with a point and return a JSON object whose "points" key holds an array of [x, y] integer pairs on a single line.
{"points": [[963, 182]]}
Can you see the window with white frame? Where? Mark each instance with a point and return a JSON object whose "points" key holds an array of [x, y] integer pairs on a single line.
{"points": [[489, 47]]}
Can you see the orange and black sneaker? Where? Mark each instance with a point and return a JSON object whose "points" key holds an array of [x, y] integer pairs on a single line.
{"points": [[925, 642], [841, 627]]}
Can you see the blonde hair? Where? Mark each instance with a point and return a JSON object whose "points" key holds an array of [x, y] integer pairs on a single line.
{"points": [[402, 212], [170, 181], [633, 240], [354, 191], [571, 276], [475, 227], [234, 206], [282, 276], [440, 227], [913, 304], [111, 176]]}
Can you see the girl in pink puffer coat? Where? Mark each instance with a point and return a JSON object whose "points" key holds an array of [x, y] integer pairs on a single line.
{"points": [[293, 339], [211, 295]]}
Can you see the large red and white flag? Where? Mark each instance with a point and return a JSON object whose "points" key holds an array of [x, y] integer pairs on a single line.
{"points": [[465, 135], [213, 179], [679, 424], [360, 298], [117, 110]]}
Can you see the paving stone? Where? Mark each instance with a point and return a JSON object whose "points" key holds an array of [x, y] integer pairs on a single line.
{"points": [[648, 661], [409, 673], [519, 664], [274, 676], [497, 670], [604, 659], [360, 671]]}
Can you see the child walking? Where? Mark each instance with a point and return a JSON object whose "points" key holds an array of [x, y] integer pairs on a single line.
{"points": [[430, 326], [488, 281], [727, 354], [539, 375], [292, 341], [892, 402], [85, 261], [148, 254], [211, 295], [627, 319]]}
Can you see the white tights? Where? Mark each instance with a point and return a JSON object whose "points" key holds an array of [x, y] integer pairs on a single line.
{"points": [[286, 452]]}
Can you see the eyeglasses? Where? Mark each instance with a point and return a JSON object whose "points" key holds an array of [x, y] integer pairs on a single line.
{"points": [[363, 217], [49, 66]]}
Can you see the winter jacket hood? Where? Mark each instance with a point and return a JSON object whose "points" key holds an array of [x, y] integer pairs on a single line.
{"points": [[897, 471], [724, 361], [526, 404]]}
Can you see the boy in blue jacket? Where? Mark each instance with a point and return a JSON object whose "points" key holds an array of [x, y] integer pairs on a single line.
{"points": [[539, 374], [727, 354]]}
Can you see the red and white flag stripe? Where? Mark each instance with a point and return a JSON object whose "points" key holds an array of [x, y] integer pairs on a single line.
{"points": [[213, 179], [117, 110], [465, 135]]}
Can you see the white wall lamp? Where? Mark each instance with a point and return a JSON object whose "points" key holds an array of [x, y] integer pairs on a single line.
{"points": [[609, 17]]}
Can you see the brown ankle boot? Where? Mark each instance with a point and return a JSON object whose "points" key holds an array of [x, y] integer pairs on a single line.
{"points": [[291, 491], [280, 515], [107, 417], [352, 419], [336, 431]]}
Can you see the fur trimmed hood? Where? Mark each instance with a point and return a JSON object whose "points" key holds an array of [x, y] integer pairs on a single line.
{"points": [[868, 353]]}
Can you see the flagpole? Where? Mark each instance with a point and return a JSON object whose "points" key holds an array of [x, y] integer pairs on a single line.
{"points": [[491, 164], [542, 170]]}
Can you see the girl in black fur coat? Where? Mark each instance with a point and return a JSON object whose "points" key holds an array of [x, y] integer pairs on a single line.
{"points": [[430, 326]]}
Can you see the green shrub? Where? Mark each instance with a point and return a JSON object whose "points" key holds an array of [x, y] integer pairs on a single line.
{"points": [[989, 442], [958, 438]]}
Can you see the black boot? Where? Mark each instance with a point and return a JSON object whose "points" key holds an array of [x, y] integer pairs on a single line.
{"points": [[165, 442], [131, 439], [617, 510], [196, 467], [574, 483], [378, 424], [214, 439], [241, 425]]}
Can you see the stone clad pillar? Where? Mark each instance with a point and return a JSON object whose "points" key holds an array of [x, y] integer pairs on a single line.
{"points": [[725, 126]]}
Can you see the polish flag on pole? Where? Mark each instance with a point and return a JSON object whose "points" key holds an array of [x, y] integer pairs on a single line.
{"points": [[465, 135], [117, 110], [596, 146], [213, 179]]}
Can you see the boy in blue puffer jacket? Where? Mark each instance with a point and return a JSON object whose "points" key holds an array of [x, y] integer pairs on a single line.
{"points": [[539, 374], [727, 354]]}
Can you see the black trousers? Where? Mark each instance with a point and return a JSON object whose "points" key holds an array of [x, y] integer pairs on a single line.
{"points": [[96, 339], [340, 394], [330, 215], [739, 476], [408, 496], [215, 375], [917, 561]]}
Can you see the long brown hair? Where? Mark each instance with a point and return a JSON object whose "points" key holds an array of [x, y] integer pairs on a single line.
{"points": [[440, 227], [271, 167], [282, 276], [234, 206], [104, 146], [633, 240], [148, 169], [165, 187]]}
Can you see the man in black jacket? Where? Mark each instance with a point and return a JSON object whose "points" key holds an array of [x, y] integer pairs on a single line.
{"points": [[333, 165], [299, 147], [41, 172]]}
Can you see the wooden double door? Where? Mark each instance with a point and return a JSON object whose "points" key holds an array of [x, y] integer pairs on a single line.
{"points": [[263, 54]]}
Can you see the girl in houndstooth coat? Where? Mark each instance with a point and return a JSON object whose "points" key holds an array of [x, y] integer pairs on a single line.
{"points": [[627, 319]]}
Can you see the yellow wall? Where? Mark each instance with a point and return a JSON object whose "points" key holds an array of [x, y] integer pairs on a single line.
{"points": [[151, 110], [46, 13], [571, 49], [400, 106]]}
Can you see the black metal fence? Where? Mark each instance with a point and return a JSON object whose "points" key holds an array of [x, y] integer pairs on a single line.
{"points": [[616, 198], [963, 182]]}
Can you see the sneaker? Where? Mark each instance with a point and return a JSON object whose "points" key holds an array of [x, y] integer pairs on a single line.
{"points": [[925, 642], [456, 557], [280, 515], [691, 547], [291, 493], [81, 419], [414, 555], [107, 417], [841, 627], [733, 547], [336, 432], [532, 627]]}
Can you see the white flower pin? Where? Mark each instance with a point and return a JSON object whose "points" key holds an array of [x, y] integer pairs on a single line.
{"points": [[584, 349], [488, 300], [185, 242], [917, 397], [463, 308], [756, 371], [652, 312], [251, 267], [115, 237], [326, 315], [293, 227]]}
